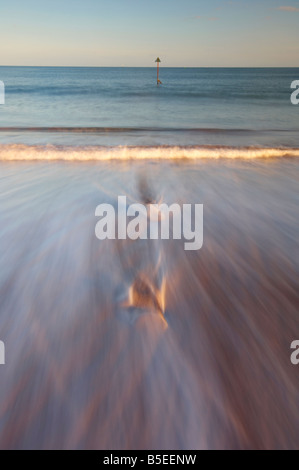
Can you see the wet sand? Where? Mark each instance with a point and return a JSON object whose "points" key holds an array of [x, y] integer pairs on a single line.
{"points": [[142, 345]]}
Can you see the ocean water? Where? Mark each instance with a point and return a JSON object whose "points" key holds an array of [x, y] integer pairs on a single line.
{"points": [[125, 107], [121, 344]]}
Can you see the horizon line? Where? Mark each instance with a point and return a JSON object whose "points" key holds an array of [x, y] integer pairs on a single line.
{"points": [[164, 67]]}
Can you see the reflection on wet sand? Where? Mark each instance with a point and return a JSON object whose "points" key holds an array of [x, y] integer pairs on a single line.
{"points": [[139, 344]]}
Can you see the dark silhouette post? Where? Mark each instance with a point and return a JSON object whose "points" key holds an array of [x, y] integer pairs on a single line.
{"points": [[158, 62]]}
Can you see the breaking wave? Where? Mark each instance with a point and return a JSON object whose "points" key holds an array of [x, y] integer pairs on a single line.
{"points": [[21, 152]]}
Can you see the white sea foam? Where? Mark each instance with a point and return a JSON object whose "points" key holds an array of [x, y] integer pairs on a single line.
{"points": [[20, 152]]}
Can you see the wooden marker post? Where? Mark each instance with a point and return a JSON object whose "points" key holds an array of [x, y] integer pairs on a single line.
{"points": [[158, 62]]}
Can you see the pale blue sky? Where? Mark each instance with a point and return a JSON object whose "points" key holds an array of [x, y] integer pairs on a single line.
{"points": [[133, 32]]}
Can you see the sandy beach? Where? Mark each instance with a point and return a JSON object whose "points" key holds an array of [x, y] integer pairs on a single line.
{"points": [[210, 370]]}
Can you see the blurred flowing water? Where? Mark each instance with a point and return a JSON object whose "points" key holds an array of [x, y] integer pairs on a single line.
{"points": [[139, 344]]}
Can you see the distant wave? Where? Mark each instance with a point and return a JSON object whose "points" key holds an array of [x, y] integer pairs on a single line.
{"points": [[20, 152], [169, 92], [99, 130]]}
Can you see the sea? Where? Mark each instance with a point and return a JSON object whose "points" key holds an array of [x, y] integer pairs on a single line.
{"points": [[139, 344], [124, 107]]}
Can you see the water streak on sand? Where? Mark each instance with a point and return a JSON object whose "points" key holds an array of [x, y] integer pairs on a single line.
{"points": [[122, 344]]}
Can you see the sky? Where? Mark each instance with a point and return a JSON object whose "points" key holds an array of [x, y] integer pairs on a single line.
{"points": [[184, 33]]}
